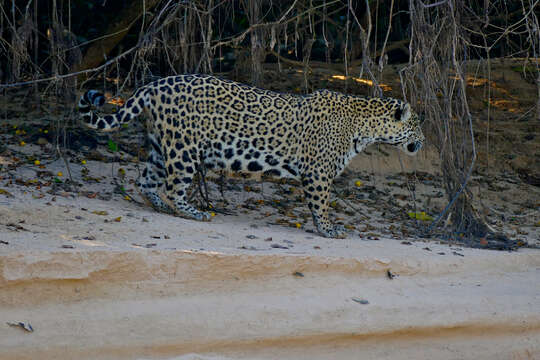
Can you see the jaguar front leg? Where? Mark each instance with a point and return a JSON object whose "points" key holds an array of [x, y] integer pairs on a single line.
{"points": [[317, 193]]}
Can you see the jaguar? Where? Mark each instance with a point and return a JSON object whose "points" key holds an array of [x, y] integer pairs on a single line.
{"points": [[199, 121]]}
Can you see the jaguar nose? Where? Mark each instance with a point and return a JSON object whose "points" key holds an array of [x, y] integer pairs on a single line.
{"points": [[414, 146]]}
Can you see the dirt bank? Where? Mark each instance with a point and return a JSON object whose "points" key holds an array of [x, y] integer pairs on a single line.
{"points": [[111, 279]]}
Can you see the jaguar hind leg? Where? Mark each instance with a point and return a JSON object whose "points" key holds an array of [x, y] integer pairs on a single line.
{"points": [[151, 182], [180, 171]]}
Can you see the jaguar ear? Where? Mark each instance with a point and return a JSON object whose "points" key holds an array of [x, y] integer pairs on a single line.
{"points": [[403, 113]]}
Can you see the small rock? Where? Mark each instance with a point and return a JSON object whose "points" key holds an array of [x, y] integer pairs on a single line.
{"points": [[360, 301], [278, 246], [42, 141], [25, 326]]}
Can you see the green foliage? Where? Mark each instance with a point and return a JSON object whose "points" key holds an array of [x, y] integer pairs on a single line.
{"points": [[113, 146]]}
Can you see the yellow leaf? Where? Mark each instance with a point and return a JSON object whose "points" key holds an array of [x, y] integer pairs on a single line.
{"points": [[37, 162], [358, 183], [59, 174], [420, 216], [5, 192], [22, 143], [83, 162], [100, 212], [118, 219], [212, 214], [298, 225]]}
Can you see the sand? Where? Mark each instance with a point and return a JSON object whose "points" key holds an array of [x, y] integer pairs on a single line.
{"points": [[99, 276]]}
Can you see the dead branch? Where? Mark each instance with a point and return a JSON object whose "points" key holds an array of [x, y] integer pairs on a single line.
{"points": [[100, 50]]}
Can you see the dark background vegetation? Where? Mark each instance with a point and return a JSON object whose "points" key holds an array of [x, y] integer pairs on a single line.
{"points": [[432, 48]]}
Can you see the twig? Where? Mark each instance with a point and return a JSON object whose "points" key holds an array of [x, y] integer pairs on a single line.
{"points": [[242, 36], [357, 212], [434, 4], [65, 162], [58, 77]]}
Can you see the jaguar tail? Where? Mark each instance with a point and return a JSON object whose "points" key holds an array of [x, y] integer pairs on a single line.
{"points": [[131, 109]]}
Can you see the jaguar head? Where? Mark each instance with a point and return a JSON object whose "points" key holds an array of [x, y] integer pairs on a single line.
{"points": [[402, 127]]}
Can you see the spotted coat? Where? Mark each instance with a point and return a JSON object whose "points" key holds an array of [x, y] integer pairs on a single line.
{"points": [[201, 119]]}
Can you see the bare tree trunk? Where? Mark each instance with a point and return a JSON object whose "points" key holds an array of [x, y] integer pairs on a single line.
{"points": [[258, 53]]}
